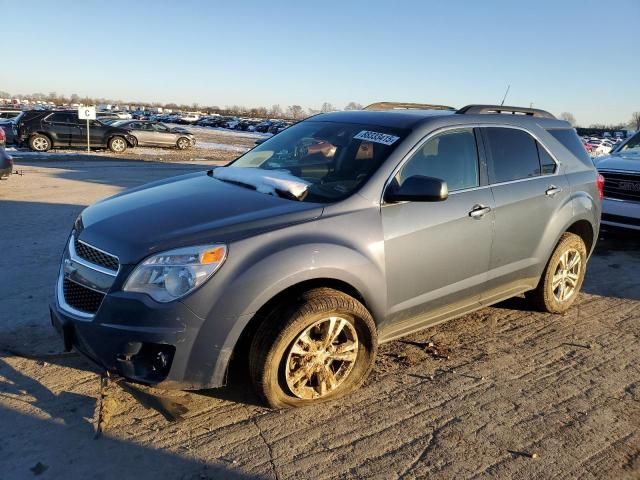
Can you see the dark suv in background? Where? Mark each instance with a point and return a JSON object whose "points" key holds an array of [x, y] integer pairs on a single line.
{"points": [[6, 162], [42, 130], [344, 231]]}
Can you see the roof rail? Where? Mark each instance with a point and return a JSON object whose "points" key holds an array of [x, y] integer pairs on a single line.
{"points": [[406, 106], [478, 109]]}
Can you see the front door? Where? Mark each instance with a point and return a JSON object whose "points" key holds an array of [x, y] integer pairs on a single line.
{"points": [[437, 253]]}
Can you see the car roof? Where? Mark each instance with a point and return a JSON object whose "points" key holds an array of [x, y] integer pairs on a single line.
{"points": [[411, 119]]}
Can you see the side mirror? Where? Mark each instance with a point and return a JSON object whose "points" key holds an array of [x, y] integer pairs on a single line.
{"points": [[418, 189], [260, 140]]}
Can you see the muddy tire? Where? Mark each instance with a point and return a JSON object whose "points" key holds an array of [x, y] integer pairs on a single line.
{"points": [[319, 347], [183, 143], [562, 277], [39, 143], [117, 144]]}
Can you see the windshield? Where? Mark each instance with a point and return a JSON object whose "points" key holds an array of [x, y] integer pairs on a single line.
{"points": [[633, 145], [335, 159]]}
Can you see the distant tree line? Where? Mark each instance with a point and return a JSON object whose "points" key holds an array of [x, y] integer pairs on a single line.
{"points": [[295, 112]]}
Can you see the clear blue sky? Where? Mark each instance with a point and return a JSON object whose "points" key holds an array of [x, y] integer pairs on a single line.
{"points": [[576, 56]]}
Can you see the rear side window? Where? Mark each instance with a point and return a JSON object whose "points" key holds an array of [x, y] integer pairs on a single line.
{"points": [[513, 154], [569, 138], [59, 118]]}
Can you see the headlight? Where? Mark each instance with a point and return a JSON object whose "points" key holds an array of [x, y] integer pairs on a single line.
{"points": [[170, 275]]}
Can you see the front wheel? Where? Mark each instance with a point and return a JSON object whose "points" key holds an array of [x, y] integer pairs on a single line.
{"points": [[319, 348], [183, 143], [117, 144], [562, 277]]}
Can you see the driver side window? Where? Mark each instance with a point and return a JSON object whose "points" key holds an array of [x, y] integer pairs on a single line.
{"points": [[451, 156]]}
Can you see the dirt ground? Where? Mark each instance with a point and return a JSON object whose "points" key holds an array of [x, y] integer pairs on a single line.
{"points": [[503, 393]]}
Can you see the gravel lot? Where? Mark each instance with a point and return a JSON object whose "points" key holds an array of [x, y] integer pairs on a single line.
{"points": [[504, 392]]}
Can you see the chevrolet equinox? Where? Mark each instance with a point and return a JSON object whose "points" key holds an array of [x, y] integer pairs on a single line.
{"points": [[344, 231]]}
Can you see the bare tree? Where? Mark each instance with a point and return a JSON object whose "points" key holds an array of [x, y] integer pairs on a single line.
{"points": [[276, 111], [353, 106], [635, 120], [295, 111], [327, 107], [568, 117]]}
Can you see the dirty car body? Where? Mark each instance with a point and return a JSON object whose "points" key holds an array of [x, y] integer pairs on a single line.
{"points": [[412, 264]]}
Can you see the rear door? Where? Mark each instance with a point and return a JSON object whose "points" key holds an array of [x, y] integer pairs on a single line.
{"points": [[437, 253], [60, 126], [528, 188]]}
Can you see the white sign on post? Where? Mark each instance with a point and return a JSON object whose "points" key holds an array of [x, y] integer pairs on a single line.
{"points": [[87, 113]]}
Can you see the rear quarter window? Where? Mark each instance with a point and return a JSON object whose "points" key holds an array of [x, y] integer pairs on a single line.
{"points": [[569, 138]]}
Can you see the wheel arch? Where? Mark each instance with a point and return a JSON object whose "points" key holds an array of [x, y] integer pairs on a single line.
{"points": [[44, 134], [243, 342], [584, 230]]}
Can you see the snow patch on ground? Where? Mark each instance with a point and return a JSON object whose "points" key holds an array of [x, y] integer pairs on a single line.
{"points": [[225, 131], [221, 146]]}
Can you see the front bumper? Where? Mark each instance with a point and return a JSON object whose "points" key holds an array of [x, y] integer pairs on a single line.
{"points": [[621, 213], [129, 333], [133, 339]]}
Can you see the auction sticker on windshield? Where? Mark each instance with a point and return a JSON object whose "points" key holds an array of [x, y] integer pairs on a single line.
{"points": [[377, 137]]}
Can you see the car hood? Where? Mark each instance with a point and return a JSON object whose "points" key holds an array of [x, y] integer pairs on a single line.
{"points": [[192, 209], [628, 161]]}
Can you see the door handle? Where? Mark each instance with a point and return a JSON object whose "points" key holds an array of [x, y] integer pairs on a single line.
{"points": [[552, 190], [479, 211]]}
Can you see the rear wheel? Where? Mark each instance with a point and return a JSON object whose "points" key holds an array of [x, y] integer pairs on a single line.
{"points": [[117, 144], [319, 348], [183, 143], [39, 143], [562, 277]]}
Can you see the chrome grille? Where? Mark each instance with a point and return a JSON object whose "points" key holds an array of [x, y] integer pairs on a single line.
{"points": [[621, 185], [96, 256], [81, 298]]}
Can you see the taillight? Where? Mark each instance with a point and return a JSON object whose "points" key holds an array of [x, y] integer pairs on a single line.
{"points": [[600, 184], [3, 137]]}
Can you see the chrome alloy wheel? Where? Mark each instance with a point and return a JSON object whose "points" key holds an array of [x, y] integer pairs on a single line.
{"points": [[183, 143], [565, 279], [118, 145], [40, 144], [321, 358]]}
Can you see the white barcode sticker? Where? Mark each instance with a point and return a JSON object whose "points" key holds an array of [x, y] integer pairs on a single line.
{"points": [[377, 137]]}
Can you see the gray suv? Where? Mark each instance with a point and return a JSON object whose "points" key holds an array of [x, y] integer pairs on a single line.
{"points": [[344, 231]]}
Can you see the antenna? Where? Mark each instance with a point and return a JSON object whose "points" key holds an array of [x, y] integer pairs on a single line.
{"points": [[505, 95]]}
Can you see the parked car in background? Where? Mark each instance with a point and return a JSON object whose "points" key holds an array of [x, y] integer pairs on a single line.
{"points": [[10, 126], [188, 119], [6, 162], [43, 130], [9, 114], [156, 134], [621, 171], [347, 230]]}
